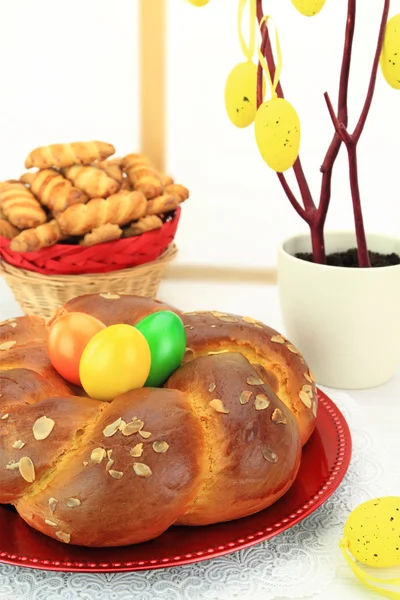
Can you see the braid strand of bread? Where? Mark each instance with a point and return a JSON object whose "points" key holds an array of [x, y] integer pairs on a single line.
{"points": [[117, 209], [217, 443]]}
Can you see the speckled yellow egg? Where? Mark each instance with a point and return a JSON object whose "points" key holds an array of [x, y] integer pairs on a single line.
{"points": [[241, 94], [277, 130], [308, 8], [390, 56], [372, 532]]}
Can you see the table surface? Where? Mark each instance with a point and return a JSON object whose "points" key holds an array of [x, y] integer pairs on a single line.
{"points": [[261, 302]]}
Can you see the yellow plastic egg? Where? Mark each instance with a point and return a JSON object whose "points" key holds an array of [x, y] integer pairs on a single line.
{"points": [[372, 532], [199, 2], [277, 130], [241, 94], [116, 360], [390, 56], [308, 8]]}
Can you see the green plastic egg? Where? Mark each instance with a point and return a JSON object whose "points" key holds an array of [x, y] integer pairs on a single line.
{"points": [[372, 532], [390, 56], [241, 94], [308, 8], [277, 130], [166, 336]]}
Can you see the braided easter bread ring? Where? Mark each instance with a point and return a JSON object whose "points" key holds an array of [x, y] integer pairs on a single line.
{"points": [[221, 440]]}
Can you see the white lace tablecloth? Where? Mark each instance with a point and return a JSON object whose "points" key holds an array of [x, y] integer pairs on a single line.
{"points": [[298, 563]]}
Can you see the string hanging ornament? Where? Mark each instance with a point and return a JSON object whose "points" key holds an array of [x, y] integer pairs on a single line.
{"points": [[277, 124], [241, 84]]}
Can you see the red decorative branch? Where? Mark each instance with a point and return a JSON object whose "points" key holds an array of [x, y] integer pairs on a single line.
{"points": [[351, 141], [316, 217], [333, 150]]}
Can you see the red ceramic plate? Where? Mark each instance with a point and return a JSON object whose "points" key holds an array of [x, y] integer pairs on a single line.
{"points": [[325, 461]]}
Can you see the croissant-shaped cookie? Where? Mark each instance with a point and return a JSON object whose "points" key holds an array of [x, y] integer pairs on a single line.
{"points": [[178, 191], [147, 223], [117, 209], [53, 190], [112, 168], [66, 155], [20, 206], [99, 235], [7, 230], [142, 175], [94, 182], [166, 180], [31, 240], [162, 204]]}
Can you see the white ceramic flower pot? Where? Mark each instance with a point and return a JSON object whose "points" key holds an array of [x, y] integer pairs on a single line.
{"points": [[345, 321]]}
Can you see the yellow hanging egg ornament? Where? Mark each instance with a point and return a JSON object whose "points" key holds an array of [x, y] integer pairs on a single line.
{"points": [[241, 94], [309, 8], [390, 56], [277, 124], [277, 130], [372, 538], [199, 2], [241, 84]]}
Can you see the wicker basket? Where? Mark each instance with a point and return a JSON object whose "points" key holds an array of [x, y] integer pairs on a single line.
{"points": [[40, 295]]}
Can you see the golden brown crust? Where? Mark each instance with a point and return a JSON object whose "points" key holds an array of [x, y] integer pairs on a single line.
{"points": [[65, 155], [261, 345], [111, 308], [131, 508], [252, 457]]}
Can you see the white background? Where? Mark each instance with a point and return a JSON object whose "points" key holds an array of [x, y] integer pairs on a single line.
{"points": [[69, 71]]}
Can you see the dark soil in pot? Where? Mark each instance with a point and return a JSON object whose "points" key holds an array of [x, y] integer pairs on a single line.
{"points": [[349, 259]]}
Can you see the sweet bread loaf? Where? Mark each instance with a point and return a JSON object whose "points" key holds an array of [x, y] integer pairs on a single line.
{"points": [[66, 155], [223, 437]]}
